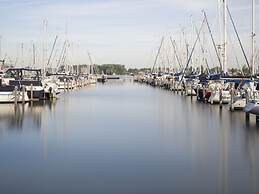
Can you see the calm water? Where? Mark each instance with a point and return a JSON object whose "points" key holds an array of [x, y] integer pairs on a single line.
{"points": [[126, 138]]}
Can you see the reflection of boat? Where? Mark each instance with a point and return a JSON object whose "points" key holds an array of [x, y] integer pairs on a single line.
{"points": [[27, 116]]}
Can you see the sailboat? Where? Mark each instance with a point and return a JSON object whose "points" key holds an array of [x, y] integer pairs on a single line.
{"points": [[253, 105]]}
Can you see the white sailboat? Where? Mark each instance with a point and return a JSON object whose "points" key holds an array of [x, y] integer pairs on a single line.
{"points": [[253, 105]]}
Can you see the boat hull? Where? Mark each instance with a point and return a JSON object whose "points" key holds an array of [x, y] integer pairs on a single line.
{"points": [[9, 97]]}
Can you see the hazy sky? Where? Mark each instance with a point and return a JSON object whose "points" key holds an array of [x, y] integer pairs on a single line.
{"points": [[113, 31]]}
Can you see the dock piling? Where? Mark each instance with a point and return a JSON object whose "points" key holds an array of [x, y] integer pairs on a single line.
{"points": [[15, 96], [220, 98], [31, 92], [23, 94], [257, 119], [232, 99]]}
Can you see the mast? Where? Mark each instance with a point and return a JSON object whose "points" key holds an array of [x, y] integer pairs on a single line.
{"points": [[0, 47], [91, 63], [34, 56], [22, 61], [220, 46], [253, 39], [51, 53], [225, 59], [158, 52], [175, 52], [44, 45]]}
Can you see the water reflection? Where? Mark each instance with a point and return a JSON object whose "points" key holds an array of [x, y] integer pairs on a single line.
{"points": [[24, 116], [122, 137]]}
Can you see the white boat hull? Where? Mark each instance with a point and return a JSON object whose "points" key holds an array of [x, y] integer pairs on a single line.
{"points": [[239, 104], [9, 97]]}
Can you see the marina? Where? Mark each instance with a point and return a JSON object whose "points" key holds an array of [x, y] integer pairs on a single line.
{"points": [[129, 97], [146, 146]]}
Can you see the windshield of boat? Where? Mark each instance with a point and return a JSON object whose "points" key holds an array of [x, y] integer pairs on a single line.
{"points": [[21, 74]]}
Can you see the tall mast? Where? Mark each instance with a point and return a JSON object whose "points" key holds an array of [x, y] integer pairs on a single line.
{"points": [[225, 61], [220, 47], [68, 44], [44, 46], [253, 39], [22, 61], [158, 52], [34, 56], [0, 47]]}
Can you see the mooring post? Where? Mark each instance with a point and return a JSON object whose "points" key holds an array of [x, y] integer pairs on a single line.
{"points": [[15, 96], [23, 94], [51, 94], [65, 83], [257, 119], [31, 92], [197, 93], [232, 99], [204, 94], [247, 99], [191, 90], [220, 98]]}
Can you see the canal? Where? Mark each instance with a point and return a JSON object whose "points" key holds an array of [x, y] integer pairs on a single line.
{"points": [[125, 138]]}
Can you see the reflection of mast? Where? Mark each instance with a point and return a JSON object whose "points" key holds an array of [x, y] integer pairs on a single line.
{"points": [[225, 161], [251, 145], [44, 130]]}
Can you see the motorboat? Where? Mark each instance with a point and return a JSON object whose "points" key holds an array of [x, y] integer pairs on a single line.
{"points": [[12, 94], [30, 78]]}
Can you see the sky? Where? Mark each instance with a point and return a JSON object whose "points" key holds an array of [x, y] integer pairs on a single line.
{"points": [[113, 31]]}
